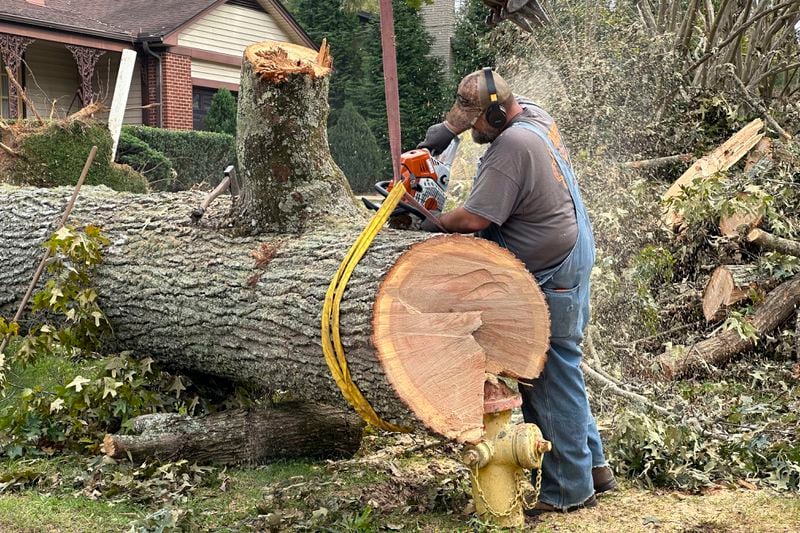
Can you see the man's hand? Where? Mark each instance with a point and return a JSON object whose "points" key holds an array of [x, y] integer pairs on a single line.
{"points": [[437, 139], [430, 225]]}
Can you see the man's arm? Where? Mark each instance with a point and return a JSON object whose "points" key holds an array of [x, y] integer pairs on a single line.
{"points": [[459, 220]]}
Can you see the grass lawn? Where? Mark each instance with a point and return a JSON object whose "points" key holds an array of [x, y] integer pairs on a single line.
{"points": [[381, 491]]}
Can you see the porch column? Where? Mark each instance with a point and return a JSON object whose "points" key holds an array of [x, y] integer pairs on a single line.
{"points": [[11, 49], [86, 58]]}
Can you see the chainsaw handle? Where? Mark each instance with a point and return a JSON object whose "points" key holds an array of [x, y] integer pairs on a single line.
{"points": [[383, 188]]}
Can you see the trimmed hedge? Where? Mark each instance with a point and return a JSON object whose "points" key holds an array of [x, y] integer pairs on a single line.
{"points": [[196, 156], [55, 157], [150, 163]]}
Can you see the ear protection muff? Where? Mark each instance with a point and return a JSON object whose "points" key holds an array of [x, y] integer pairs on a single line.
{"points": [[495, 114]]}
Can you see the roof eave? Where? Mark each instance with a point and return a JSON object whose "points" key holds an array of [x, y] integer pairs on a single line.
{"points": [[25, 21]]}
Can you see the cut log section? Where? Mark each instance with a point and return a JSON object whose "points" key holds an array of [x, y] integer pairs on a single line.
{"points": [[741, 221], [722, 158], [771, 242], [240, 436], [249, 307], [436, 347], [779, 305], [730, 284]]}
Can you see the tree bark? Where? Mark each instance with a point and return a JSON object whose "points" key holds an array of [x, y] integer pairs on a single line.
{"points": [[241, 436], [773, 243], [779, 305], [249, 307]]}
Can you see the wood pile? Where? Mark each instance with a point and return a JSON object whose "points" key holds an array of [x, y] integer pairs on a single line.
{"points": [[744, 297]]}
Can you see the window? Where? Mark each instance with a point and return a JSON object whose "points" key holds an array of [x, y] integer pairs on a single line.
{"points": [[201, 101], [4, 110]]}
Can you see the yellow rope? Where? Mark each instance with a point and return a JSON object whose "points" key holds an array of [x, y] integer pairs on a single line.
{"points": [[332, 347]]}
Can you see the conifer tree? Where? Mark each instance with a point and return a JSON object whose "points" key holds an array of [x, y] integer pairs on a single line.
{"points": [[470, 42], [221, 116], [423, 84], [355, 150], [327, 19]]}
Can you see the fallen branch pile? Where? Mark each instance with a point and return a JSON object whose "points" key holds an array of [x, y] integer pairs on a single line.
{"points": [[734, 254]]}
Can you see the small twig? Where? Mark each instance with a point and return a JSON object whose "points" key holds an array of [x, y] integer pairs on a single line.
{"points": [[7, 149], [46, 256], [24, 96], [658, 161], [662, 333]]}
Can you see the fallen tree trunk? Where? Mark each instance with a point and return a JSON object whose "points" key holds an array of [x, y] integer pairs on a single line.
{"points": [[249, 307], [773, 243], [241, 436], [423, 320], [779, 305]]}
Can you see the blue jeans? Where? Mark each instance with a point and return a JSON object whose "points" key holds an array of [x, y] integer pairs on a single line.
{"points": [[556, 401]]}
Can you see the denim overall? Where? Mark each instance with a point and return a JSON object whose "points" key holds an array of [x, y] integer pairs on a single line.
{"points": [[556, 401]]}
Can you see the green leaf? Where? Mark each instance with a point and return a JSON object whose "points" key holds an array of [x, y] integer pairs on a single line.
{"points": [[78, 383]]}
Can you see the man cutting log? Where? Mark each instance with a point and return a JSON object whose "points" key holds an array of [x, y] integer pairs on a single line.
{"points": [[525, 198]]}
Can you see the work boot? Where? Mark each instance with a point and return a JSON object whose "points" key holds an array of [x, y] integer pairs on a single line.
{"points": [[542, 507], [603, 478]]}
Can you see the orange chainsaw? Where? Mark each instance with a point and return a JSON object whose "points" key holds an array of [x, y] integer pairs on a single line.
{"points": [[425, 180]]}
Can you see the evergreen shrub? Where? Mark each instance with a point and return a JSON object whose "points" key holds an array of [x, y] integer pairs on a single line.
{"points": [[355, 150], [196, 156], [55, 157], [221, 116]]}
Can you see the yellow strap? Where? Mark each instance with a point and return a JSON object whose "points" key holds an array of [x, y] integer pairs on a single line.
{"points": [[332, 348]]}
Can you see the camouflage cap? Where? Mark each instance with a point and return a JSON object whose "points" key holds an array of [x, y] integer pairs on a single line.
{"points": [[472, 99]]}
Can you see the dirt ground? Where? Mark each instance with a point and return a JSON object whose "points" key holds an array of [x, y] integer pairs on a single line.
{"points": [[718, 510]]}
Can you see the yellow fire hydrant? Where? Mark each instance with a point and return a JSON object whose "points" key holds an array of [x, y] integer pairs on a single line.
{"points": [[499, 462]]}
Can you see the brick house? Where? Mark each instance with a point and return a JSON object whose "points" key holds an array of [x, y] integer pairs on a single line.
{"points": [[66, 53]]}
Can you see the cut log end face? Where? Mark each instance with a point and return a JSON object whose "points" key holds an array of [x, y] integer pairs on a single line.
{"points": [[275, 61], [717, 292], [461, 298]]}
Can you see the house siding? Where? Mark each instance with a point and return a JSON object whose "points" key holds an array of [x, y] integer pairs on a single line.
{"points": [[440, 23], [51, 79], [208, 70], [105, 79], [229, 29]]}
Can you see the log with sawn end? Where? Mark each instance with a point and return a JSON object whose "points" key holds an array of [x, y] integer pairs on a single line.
{"points": [[778, 306], [240, 436], [424, 318]]}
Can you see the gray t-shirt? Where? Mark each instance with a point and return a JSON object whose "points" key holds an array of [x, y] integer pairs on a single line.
{"points": [[520, 188]]}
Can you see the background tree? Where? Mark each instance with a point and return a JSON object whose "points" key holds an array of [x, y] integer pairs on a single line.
{"points": [[346, 35], [422, 80], [470, 44], [354, 38], [355, 149], [221, 116]]}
